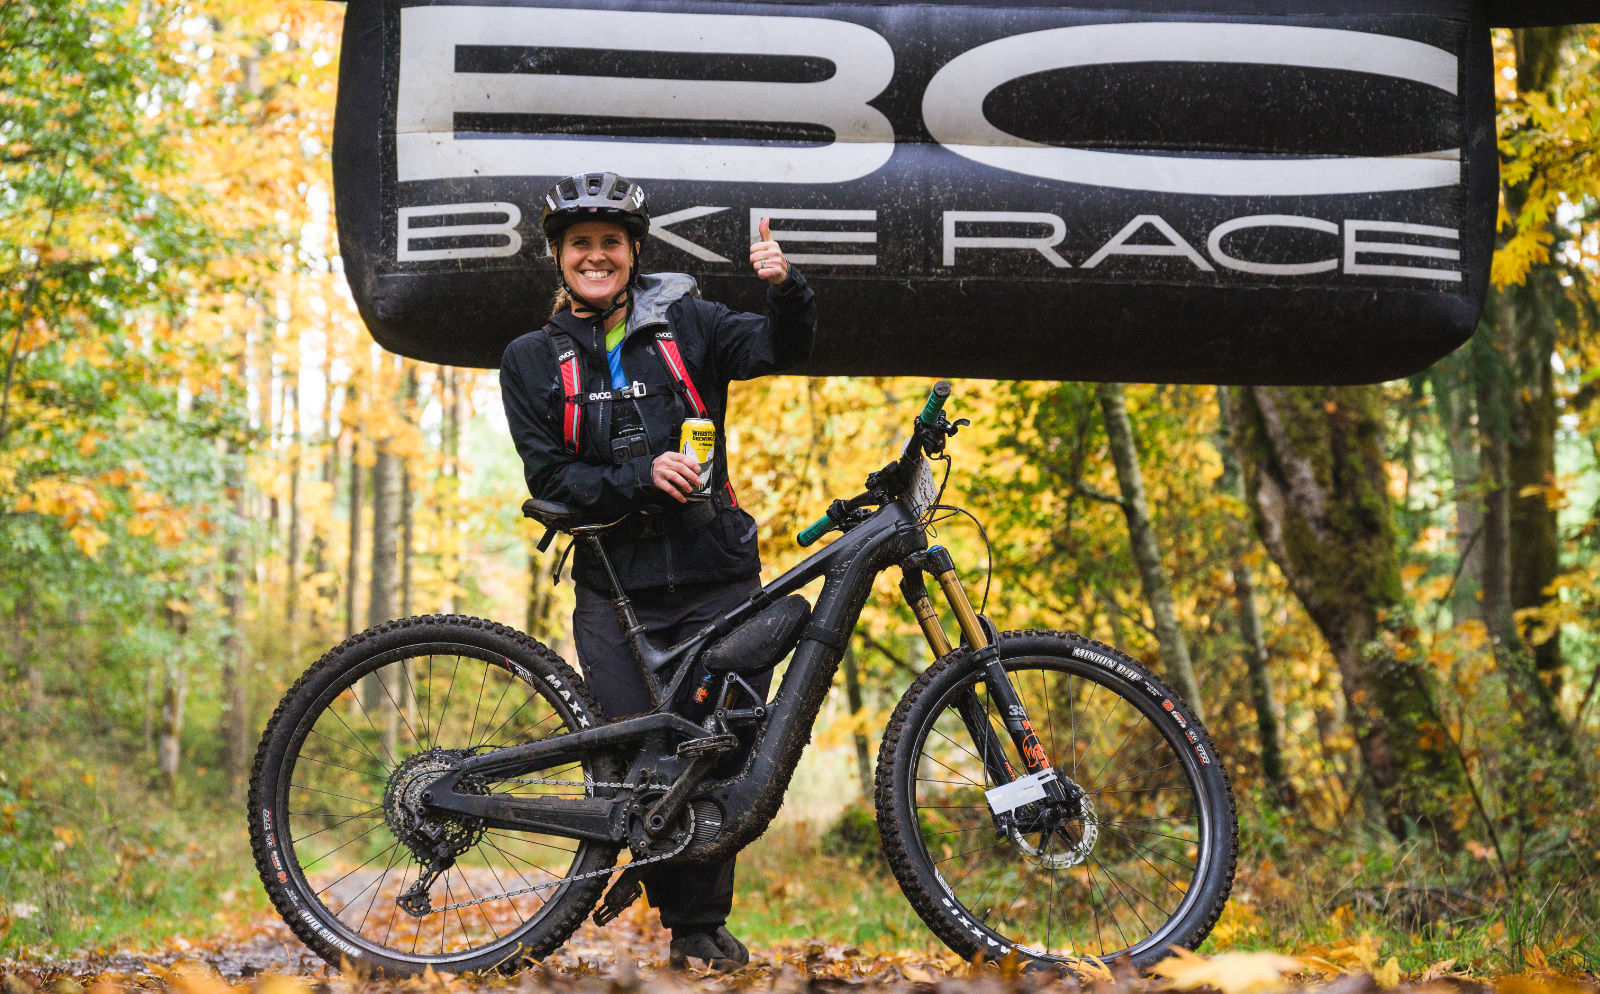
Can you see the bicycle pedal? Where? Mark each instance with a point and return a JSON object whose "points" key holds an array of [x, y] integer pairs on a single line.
{"points": [[711, 745], [619, 898]]}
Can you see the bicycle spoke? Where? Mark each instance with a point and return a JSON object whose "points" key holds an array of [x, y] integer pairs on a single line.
{"points": [[346, 745], [301, 838]]}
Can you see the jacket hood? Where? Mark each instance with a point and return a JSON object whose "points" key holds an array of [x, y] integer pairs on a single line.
{"points": [[655, 293]]}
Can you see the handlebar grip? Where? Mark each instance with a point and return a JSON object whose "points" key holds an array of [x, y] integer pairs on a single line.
{"points": [[820, 528], [936, 398]]}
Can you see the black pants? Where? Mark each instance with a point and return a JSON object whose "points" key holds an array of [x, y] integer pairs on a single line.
{"points": [[690, 898]]}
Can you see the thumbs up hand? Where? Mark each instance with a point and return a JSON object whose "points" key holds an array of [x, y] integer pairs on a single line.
{"points": [[766, 258]]}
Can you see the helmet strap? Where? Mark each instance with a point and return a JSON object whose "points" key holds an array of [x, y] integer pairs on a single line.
{"points": [[579, 302]]}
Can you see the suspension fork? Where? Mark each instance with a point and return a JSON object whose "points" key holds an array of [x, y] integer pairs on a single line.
{"points": [[977, 633]]}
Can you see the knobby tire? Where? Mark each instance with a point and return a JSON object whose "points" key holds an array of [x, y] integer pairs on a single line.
{"points": [[403, 695], [1147, 865]]}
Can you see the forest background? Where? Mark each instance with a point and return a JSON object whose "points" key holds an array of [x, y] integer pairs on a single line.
{"points": [[1381, 597]]}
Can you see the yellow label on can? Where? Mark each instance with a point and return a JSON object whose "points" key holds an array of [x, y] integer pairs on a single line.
{"points": [[699, 437]]}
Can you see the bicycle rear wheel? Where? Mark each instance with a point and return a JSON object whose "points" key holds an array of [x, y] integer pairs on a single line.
{"points": [[347, 754], [1140, 858]]}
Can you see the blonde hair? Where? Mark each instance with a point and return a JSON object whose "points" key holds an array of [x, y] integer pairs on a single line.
{"points": [[562, 301]]}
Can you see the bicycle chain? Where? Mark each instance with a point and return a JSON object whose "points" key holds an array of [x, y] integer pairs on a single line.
{"points": [[688, 837]]}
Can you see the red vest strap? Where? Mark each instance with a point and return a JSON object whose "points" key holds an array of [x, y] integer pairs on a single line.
{"points": [[572, 417], [680, 372]]}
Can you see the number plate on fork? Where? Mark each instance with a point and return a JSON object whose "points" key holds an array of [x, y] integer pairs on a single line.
{"points": [[1023, 790], [924, 491]]}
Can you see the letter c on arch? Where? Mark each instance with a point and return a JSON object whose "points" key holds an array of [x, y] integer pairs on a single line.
{"points": [[952, 106]]}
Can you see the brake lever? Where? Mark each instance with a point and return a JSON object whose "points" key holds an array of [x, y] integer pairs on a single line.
{"points": [[931, 437]]}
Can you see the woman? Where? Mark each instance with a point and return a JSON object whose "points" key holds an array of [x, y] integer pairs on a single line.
{"points": [[595, 400]]}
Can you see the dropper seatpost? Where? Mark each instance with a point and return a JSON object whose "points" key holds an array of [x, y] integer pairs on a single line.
{"points": [[626, 617]]}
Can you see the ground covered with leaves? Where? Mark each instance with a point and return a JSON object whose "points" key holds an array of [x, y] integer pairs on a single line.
{"points": [[628, 956]]}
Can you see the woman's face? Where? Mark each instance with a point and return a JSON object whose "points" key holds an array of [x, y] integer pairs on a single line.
{"points": [[596, 259]]}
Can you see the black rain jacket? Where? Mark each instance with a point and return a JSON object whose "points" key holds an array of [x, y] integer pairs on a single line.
{"points": [[718, 345]]}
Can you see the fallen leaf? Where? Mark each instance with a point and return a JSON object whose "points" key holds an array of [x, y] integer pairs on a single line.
{"points": [[1230, 973]]}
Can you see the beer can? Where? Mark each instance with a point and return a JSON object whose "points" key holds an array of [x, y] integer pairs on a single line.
{"points": [[699, 437]]}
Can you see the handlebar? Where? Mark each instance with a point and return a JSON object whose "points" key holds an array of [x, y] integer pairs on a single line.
{"points": [[936, 398], [818, 529], [929, 418]]}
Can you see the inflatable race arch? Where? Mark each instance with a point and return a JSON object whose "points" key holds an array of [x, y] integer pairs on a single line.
{"points": [[1233, 191]]}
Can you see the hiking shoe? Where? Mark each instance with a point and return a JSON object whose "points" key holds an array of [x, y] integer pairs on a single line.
{"points": [[732, 949], [717, 951]]}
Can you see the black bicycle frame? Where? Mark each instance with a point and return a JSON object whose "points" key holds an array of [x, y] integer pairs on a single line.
{"points": [[848, 567]]}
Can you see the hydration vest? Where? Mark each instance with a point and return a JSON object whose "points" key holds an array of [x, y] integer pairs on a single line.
{"points": [[575, 396]]}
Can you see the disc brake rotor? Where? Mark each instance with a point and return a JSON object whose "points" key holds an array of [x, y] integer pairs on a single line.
{"points": [[1076, 850]]}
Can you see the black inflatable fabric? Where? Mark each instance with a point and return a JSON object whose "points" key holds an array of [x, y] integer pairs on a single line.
{"points": [[1230, 191]]}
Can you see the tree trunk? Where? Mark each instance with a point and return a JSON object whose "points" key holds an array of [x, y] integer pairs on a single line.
{"points": [[1504, 420], [385, 536], [852, 693], [408, 516], [169, 747], [352, 573], [169, 744], [291, 607], [28, 656], [1153, 578], [450, 443], [1536, 544], [1317, 481], [1516, 422], [1452, 386], [1256, 658], [541, 598], [235, 694], [382, 693]]}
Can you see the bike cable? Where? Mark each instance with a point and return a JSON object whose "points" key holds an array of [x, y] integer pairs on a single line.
{"points": [[988, 547]]}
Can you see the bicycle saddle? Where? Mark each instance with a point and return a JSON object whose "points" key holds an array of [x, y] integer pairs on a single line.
{"points": [[564, 518]]}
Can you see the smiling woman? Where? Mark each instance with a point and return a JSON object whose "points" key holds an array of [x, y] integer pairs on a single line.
{"points": [[605, 403], [598, 257]]}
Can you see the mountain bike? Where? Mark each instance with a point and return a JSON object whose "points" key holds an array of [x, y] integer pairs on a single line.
{"points": [[443, 791]]}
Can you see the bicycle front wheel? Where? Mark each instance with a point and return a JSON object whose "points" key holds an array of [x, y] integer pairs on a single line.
{"points": [[1139, 857], [350, 858]]}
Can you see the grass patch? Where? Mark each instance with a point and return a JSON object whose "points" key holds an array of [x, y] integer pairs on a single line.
{"points": [[93, 856], [1361, 897], [792, 887]]}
